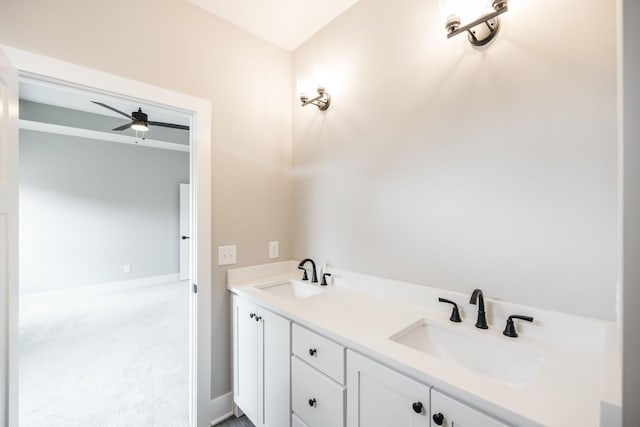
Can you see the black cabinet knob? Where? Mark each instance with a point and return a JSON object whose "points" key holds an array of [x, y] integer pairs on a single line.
{"points": [[312, 402], [438, 418], [312, 351], [252, 315], [417, 407], [258, 318]]}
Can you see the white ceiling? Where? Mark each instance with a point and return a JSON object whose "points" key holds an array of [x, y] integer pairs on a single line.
{"points": [[285, 23]]}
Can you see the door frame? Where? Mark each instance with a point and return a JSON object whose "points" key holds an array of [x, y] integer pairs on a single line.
{"points": [[202, 410]]}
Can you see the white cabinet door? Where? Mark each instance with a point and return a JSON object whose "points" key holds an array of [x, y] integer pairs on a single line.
{"points": [[245, 357], [447, 412], [380, 397], [274, 367]]}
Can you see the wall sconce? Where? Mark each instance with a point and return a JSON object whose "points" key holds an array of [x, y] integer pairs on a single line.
{"points": [[481, 30], [322, 101]]}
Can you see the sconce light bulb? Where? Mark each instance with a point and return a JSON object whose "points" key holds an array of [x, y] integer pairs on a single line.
{"points": [[453, 23]]}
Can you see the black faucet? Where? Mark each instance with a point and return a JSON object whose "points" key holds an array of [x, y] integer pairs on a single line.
{"points": [[477, 296], [314, 275]]}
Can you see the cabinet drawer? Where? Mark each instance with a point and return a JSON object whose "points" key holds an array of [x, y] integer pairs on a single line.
{"points": [[319, 352], [296, 422], [316, 400]]}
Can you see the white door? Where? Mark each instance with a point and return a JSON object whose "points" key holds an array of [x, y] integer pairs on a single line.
{"points": [[8, 242], [380, 397], [185, 230], [245, 357], [447, 412], [274, 367]]}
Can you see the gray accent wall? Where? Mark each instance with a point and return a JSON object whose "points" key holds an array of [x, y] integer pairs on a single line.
{"points": [[89, 207]]}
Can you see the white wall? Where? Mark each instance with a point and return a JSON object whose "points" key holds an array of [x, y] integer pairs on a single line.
{"points": [[458, 167], [89, 207], [630, 126], [187, 50]]}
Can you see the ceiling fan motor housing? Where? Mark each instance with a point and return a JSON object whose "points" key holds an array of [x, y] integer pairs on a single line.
{"points": [[140, 116]]}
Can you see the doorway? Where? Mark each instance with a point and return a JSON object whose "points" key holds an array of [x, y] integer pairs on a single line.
{"points": [[103, 317], [201, 408]]}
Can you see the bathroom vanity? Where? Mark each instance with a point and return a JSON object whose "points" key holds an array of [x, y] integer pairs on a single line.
{"points": [[366, 351]]}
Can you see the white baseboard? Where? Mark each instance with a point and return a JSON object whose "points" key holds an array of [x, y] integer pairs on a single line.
{"points": [[221, 408], [144, 281]]}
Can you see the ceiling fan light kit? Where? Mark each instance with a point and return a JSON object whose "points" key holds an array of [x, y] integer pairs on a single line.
{"points": [[139, 126]]}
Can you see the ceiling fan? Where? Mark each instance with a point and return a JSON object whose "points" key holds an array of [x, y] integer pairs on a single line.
{"points": [[139, 120]]}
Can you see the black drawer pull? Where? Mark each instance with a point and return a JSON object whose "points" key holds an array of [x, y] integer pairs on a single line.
{"points": [[312, 402], [438, 418], [312, 351], [417, 407]]}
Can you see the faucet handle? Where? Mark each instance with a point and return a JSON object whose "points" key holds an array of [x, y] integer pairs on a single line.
{"points": [[324, 279], [510, 329], [304, 272], [455, 314]]}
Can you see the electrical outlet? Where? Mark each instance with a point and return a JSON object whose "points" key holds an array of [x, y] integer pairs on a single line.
{"points": [[227, 255], [126, 268], [274, 249]]}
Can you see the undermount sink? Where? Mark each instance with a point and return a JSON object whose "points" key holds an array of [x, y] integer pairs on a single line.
{"points": [[508, 362], [293, 289]]}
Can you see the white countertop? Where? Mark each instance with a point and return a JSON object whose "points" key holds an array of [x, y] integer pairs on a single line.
{"points": [[567, 392]]}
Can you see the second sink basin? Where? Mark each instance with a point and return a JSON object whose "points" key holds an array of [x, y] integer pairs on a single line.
{"points": [[508, 362], [293, 289]]}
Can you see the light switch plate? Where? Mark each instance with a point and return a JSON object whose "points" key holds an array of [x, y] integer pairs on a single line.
{"points": [[227, 255], [274, 249]]}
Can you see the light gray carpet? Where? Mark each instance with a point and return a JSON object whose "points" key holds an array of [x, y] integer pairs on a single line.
{"points": [[105, 356], [236, 422]]}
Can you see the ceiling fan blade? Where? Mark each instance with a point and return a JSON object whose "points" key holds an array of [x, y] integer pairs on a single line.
{"points": [[112, 109], [123, 127], [169, 125]]}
